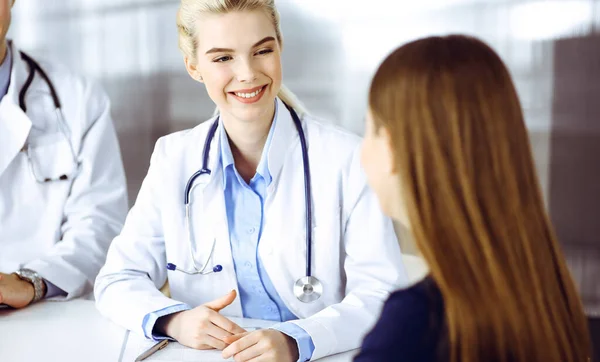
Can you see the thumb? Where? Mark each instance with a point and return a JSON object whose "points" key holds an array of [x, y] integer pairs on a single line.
{"points": [[222, 302]]}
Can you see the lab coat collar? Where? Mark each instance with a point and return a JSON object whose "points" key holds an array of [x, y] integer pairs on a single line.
{"points": [[263, 165], [214, 155], [15, 125]]}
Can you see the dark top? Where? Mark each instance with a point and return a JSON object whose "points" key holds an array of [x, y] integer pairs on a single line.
{"points": [[411, 327]]}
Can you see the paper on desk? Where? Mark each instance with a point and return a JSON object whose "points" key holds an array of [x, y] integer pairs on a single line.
{"points": [[175, 352]]}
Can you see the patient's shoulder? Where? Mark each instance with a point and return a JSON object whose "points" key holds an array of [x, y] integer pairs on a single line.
{"points": [[411, 326]]}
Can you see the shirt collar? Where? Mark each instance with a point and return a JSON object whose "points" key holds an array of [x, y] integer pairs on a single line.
{"points": [[5, 69], [227, 160]]}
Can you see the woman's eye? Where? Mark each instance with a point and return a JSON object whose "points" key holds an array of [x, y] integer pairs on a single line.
{"points": [[222, 59], [264, 51]]}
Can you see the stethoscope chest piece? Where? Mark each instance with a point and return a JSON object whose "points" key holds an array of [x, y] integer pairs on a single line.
{"points": [[308, 289]]}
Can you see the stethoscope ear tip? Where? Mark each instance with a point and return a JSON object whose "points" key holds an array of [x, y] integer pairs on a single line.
{"points": [[171, 266], [217, 268]]}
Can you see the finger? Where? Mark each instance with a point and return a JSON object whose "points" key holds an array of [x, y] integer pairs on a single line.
{"points": [[261, 358], [235, 337], [225, 323], [222, 302], [213, 342], [215, 331], [248, 354], [245, 342]]}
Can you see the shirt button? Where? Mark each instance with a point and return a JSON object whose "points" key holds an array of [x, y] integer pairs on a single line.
{"points": [[248, 264], [251, 230]]}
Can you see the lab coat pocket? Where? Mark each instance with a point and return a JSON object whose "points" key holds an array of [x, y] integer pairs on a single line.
{"points": [[52, 160]]}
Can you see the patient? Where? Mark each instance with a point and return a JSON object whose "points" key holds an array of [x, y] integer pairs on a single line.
{"points": [[447, 152]]}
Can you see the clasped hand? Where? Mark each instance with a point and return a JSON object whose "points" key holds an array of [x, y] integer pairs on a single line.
{"points": [[205, 328]]}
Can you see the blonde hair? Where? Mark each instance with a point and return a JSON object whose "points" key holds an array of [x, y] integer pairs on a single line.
{"points": [[474, 203], [189, 13]]}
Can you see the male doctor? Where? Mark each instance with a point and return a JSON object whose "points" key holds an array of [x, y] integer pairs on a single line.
{"points": [[62, 186]]}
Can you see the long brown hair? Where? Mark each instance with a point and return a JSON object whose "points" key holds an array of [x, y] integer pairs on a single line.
{"points": [[474, 204]]}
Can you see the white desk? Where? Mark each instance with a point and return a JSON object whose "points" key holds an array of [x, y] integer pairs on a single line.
{"points": [[55, 331], [71, 331]]}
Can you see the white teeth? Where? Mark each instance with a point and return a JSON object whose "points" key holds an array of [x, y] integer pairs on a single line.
{"points": [[248, 95]]}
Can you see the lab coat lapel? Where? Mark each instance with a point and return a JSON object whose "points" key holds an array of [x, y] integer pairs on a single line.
{"points": [[212, 195], [15, 125], [14, 129], [207, 201], [284, 268], [283, 135]]}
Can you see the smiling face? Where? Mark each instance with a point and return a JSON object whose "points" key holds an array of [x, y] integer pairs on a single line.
{"points": [[239, 61]]}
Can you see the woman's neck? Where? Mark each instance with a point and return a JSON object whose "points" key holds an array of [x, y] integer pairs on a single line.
{"points": [[247, 141]]}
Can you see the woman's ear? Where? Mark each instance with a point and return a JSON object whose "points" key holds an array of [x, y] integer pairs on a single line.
{"points": [[193, 70]]}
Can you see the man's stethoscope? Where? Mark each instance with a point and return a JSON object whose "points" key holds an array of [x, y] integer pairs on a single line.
{"points": [[60, 119], [306, 289]]}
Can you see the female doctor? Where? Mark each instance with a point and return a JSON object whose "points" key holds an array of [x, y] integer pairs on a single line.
{"points": [[260, 212]]}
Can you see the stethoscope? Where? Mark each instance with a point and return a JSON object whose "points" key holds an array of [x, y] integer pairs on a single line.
{"points": [[308, 288], [60, 119]]}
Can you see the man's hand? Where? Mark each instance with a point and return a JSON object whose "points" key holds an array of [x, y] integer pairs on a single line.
{"points": [[265, 345], [202, 327], [14, 291]]}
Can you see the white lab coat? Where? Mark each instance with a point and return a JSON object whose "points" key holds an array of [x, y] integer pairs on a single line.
{"points": [[355, 252], [60, 229]]}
